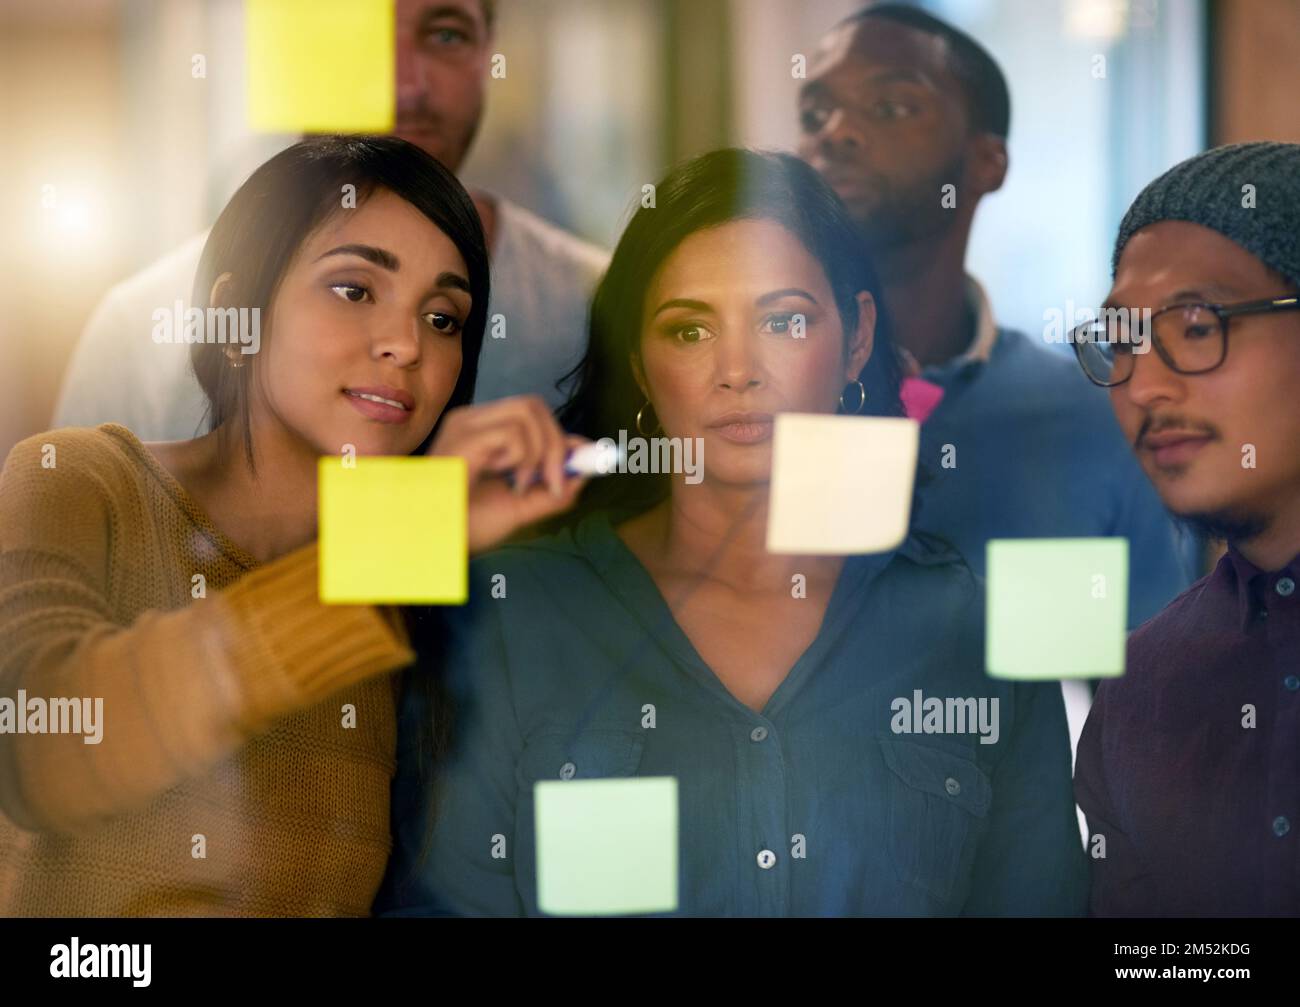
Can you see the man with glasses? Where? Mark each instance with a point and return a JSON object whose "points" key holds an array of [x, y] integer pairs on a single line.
{"points": [[907, 119], [1189, 765]]}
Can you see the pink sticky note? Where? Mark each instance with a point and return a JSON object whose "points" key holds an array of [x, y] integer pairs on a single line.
{"points": [[920, 397]]}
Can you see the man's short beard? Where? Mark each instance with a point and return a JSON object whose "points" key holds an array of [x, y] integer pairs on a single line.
{"points": [[903, 216], [1227, 526]]}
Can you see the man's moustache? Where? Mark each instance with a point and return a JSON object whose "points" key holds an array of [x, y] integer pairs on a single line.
{"points": [[1159, 425]]}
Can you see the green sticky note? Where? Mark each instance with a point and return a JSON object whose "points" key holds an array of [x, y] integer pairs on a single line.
{"points": [[1057, 608], [393, 530], [320, 66], [606, 847]]}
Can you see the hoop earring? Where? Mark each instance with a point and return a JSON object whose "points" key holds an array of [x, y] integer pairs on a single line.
{"points": [[639, 413], [862, 398]]}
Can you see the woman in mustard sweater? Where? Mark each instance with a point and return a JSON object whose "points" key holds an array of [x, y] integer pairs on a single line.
{"points": [[239, 735]]}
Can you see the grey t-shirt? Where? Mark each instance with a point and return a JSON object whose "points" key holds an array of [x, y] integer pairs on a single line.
{"points": [[542, 281]]}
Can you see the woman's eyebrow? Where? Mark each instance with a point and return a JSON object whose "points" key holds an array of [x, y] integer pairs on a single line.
{"points": [[813, 90], [449, 279], [681, 302], [776, 295], [379, 256]]}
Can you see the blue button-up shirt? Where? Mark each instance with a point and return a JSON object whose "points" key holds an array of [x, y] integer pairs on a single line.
{"points": [[830, 801]]}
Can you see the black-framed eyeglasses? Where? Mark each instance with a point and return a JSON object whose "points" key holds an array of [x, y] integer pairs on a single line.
{"points": [[1191, 338]]}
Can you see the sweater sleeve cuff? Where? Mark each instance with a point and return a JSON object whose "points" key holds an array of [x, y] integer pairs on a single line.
{"points": [[290, 650]]}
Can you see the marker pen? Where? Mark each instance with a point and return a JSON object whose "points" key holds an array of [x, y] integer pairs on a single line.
{"points": [[598, 458]]}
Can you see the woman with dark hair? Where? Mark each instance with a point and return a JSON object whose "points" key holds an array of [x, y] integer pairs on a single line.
{"points": [[658, 637], [243, 761], [725, 186]]}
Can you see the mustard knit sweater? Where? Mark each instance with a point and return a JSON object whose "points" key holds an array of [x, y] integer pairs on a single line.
{"points": [[248, 736]]}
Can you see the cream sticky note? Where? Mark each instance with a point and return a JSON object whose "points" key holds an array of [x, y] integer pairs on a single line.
{"points": [[321, 66], [393, 530], [606, 847], [1057, 608], [841, 484]]}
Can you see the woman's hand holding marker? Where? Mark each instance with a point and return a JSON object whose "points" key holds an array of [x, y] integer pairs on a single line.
{"points": [[515, 437]]}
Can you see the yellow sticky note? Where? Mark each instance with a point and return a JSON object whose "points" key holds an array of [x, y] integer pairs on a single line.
{"points": [[393, 531], [321, 66], [606, 847], [1057, 608], [841, 484]]}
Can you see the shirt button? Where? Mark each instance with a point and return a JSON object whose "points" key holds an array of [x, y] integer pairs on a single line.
{"points": [[1285, 587], [758, 734], [568, 771], [952, 786], [766, 859], [1281, 826], [1291, 682]]}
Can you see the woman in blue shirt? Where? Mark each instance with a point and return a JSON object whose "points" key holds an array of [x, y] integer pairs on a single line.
{"points": [[656, 636]]}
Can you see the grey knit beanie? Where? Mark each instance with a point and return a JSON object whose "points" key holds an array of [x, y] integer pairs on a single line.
{"points": [[1208, 189]]}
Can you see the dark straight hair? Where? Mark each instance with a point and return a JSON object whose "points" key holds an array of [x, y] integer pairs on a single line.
{"points": [[255, 239], [713, 189], [267, 220]]}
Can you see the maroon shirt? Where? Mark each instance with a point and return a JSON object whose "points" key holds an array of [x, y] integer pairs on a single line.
{"points": [[1200, 810]]}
